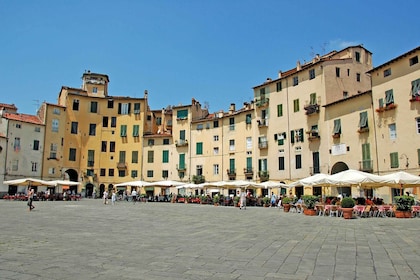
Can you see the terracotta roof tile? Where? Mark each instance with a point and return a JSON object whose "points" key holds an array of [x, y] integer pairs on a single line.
{"points": [[23, 118]]}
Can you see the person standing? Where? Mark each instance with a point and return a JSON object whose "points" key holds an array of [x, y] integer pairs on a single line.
{"points": [[31, 199], [242, 201], [134, 195], [105, 197]]}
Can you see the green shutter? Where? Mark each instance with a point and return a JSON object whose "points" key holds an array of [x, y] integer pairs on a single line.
{"points": [[249, 162], [165, 156], [394, 160], [389, 96], [232, 165], [136, 129], [366, 160], [199, 148], [182, 161], [363, 122], [415, 88], [123, 130], [337, 127], [279, 110], [292, 136], [312, 99]]}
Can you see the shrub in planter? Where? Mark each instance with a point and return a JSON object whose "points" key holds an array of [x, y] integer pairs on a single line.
{"points": [[265, 201], [347, 204], [286, 204], [310, 201]]}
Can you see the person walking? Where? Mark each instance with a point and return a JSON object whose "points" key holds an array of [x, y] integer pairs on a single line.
{"points": [[113, 197], [105, 197], [242, 201], [31, 199], [134, 195]]}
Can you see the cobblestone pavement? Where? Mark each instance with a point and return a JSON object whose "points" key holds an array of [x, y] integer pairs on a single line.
{"points": [[89, 240]]}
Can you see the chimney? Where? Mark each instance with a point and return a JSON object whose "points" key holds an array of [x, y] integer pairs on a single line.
{"points": [[232, 108], [298, 67], [145, 94], [280, 72]]}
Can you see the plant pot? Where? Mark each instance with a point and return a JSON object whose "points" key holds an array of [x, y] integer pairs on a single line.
{"points": [[347, 213], [309, 212], [402, 214], [286, 207]]}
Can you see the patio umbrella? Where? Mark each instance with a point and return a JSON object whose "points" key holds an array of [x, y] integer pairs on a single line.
{"points": [[272, 184], [132, 184], [165, 183], [402, 178], [319, 179], [29, 182]]}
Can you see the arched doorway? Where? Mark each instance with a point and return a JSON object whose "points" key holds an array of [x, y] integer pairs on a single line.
{"points": [[72, 175], [89, 190], [338, 167], [101, 190]]}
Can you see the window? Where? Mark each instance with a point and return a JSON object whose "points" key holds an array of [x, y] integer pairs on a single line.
{"points": [[279, 110], [74, 127], [357, 56], [200, 126], [298, 159], [358, 77], [124, 108], [216, 150], [123, 132], [418, 156], [111, 172], [216, 138], [418, 125], [136, 108], [389, 97], [337, 126], [72, 154], [91, 158], [51, 171], [363, 120], [296, 105], [102, 172], [231, 123], [56, 111], [158, 120], [104, 121], [150, 156], [281, 163], [34, 166], [165, 141], [262, 165], [199, 148], [92, 129], [37, 129], [121, 173], [134, 174], [36, 145], [199, 170], [150, 142], [215, 124], [103, 146], [53, 151], [18, 125], [394, 160], [182, 114], [149, 173], [122, 157], [134, 156], [312, 99], [55, 125], [16, 144], [366, 160], [315, 161], [262, 142], [296, 135], [231, 145], [249, 143], [345, 94], [113, 121], [165, 174], [112, 146], [94, 90], [279, 137], [216, 169], [93, 107], [392, 131], [136, 129], [232, 166], [165, 156], [110, 104], [15, 165], [415, 88], [248, 119], [337, 72], [295, 81], [75, 105], [387, 72], [278, 86], [414, 60], [311, 74], [182, 134]]}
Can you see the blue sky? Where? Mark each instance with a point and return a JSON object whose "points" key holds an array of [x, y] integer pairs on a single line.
{"points": [[214, 51]]}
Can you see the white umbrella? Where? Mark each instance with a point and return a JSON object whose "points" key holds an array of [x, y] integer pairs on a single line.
{"points": [[314, 180], [28, 182], [64, 183], [355, 177], [132, 184], [402, 177], [165, 183], [272, 184]]}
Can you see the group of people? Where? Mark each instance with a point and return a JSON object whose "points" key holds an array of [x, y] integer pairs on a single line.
{"points": [[105, 196]]}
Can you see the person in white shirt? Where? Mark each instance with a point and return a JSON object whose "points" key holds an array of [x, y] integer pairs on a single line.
{"points": [[134, 195]]}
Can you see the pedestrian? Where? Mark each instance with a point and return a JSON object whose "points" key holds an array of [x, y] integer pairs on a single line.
{"points": [[94, 193], [242, 201], [113, 197], [31, 199], [134, 195], [105, 197], [273, 199]]}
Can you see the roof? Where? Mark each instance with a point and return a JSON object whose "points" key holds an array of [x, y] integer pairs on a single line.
{"points": [[394, 59], [23, 118]]}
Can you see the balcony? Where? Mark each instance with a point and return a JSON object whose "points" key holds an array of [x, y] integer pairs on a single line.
{"points": [[313, 135], [231, 174], [363, 129], [262, 102], [415, 98], [366, 165], [336, 135], [264, 176], [249, 173], [263, 144], [90, 163], [262, 123], [122, 165], [181, 142], [311, 109], [388, 107], [181, 167]]}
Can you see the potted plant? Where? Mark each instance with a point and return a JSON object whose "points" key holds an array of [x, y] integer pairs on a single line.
{"points": [[265, 201], [310, 201], [286, 204], [236, 201], [216, 200], [347, 204], [404, 204]]}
